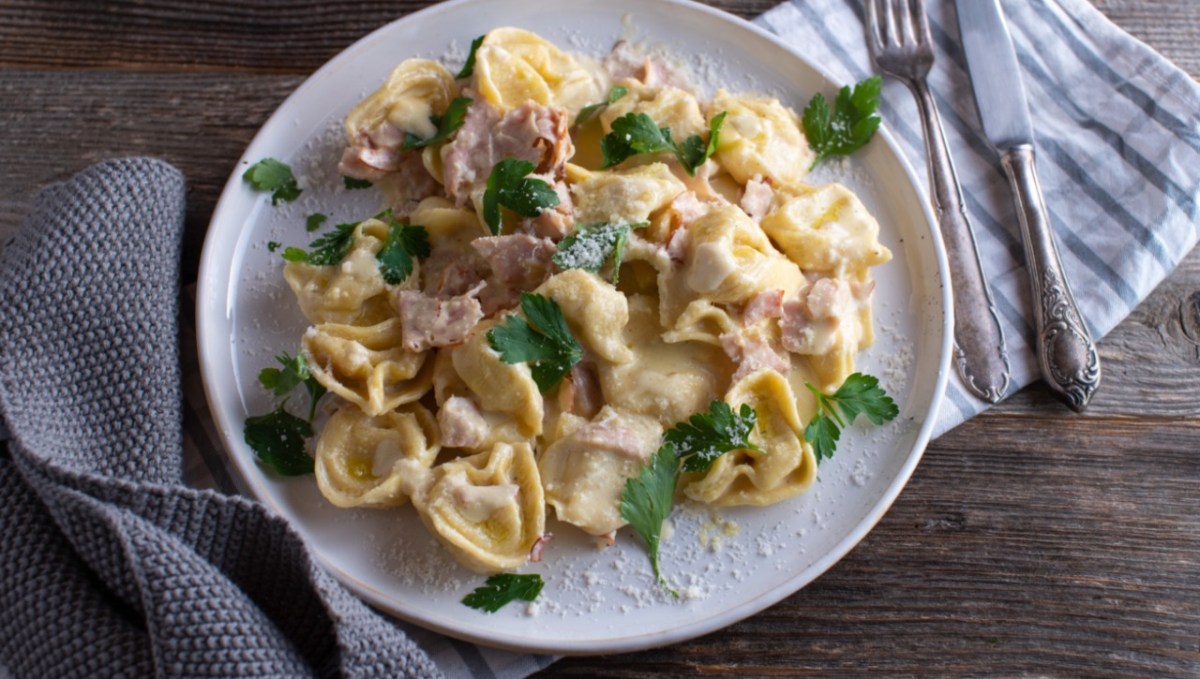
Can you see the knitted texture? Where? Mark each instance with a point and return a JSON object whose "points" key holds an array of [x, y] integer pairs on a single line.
{"points": [[109, 566]]}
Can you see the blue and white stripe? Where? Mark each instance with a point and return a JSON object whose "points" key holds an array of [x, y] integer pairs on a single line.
{"points": [[1118, 142]]}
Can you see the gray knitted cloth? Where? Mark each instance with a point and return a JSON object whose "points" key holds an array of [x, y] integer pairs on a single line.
{"points": [[109, 566]]}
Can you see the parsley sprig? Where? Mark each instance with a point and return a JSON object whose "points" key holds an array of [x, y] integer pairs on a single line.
{"points": [[503, 588], [590, 110], [637, 133], [647, 499], [354, 184], [468, 68], [315, 221], [279, 438], [593, 245], [849, 125], [447, 124], [405, 243], [272, 175], [542, 339], [707, 436], [327, 250], [860, 394], [508, 186]]}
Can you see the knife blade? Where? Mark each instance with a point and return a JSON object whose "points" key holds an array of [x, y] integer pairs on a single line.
{"points": [[1067, 356]]}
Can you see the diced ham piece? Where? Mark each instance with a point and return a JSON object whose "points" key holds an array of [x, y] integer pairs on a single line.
{"points": [[756, 198], [579, 392], [427, 322], [462, 165], [613, 435], [409, 184], [766, 304], [449, 272], [677, 245], [627, 61], [518, 262], [687, 208], [461, 423], [809, 322], [531, 132], [373, 153], [753, 352], [828, 298], [556, 223], [535, 552]]}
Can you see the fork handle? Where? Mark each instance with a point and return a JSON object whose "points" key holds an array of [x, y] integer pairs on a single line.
{"points": [[1066, 353], [981, 355]]}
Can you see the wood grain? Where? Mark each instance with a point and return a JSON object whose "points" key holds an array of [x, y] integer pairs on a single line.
{"points": [[1030, 541], [291, 36]]}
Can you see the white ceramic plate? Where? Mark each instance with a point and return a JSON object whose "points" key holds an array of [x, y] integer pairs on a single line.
{"points": [[729, 565]]}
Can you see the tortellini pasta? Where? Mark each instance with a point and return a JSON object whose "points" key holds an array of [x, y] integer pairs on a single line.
{"points": [[827, 228], [351, 292], [367, 365], [487, 509], [379, 461], [783, 468], [585, 469], [415, 91], [761, 137], [728, 280]]}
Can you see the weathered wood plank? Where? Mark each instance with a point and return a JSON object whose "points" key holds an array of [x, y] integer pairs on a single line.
{"points": [[58, 123], [1084, 565], [297, 36], [292, 36]]}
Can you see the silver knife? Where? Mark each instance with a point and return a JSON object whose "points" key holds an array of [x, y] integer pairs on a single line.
{"points": [[1066, 353]]}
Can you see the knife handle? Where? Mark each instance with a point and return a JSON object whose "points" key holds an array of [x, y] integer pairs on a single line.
{"points": [[1066, 353], [980, 354]]}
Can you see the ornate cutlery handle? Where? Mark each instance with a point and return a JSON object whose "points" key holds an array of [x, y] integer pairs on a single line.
{"points": [[1066, 353], [979, 350]]}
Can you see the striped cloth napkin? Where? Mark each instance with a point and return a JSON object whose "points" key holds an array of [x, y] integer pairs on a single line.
{"points": [[1118, 154], [1119, 160]]}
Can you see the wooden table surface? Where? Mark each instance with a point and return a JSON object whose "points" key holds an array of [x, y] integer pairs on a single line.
{"points": [[1029, 541]]}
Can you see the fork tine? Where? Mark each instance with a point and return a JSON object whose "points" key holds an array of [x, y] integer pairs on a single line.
{"points": [[922, 22], [873, 25], [891, 34], [907, 35]]}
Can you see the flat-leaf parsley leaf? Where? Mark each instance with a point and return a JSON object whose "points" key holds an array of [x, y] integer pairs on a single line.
{"points": [[272, 175], [446, 123], [508, 186], [502, 588], [405, 242], [851, 123], [860, 394], [635, 133], [647, 499], [593, 245], [590, 110], [327, 250], [278, 440], [354, 183], [468, 68], [707, 436], [542, 339], [281, 381]]}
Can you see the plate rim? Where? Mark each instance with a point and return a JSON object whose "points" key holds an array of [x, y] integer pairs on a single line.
{"points": [[483, 635]]}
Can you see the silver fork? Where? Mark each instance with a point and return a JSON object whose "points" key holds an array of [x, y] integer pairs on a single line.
{"points": [[902, 47]]}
